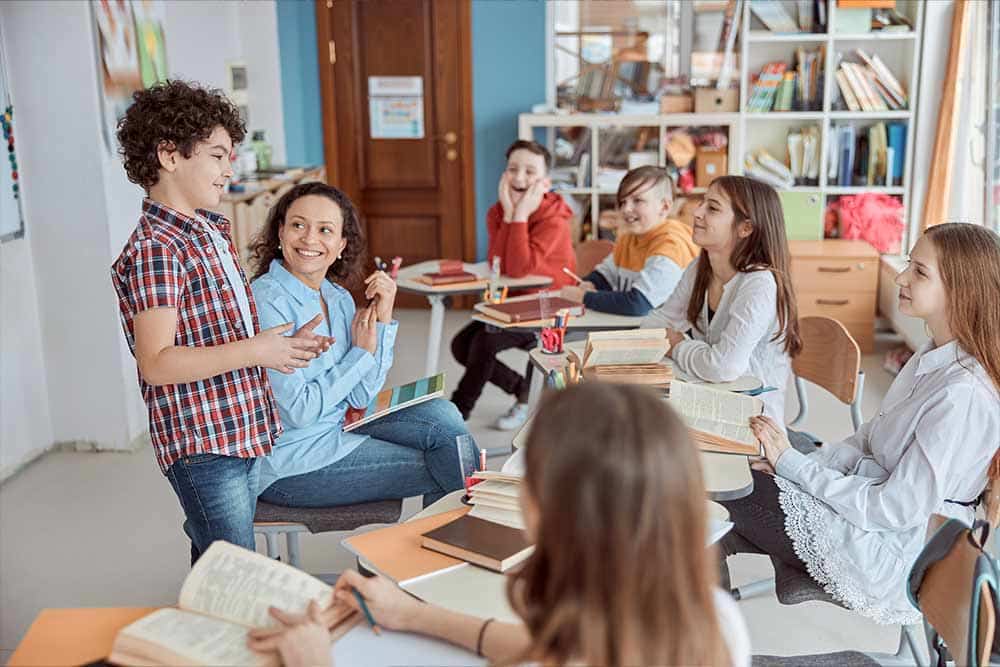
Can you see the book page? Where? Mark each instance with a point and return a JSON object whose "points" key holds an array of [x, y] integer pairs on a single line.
{"points": [[629, 334], [238, 585], [201, 639], [623, 356], [721, 413]]}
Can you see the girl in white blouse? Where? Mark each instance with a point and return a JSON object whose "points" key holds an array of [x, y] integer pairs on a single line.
{"points": [[854, 515], [735, 300]]}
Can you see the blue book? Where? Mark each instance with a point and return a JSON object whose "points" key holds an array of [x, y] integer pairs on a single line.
{"points": [[845, 144], [897, 142]]}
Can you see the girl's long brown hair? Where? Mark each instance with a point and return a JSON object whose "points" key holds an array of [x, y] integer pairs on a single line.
{"points": [[766, 248], [620, 574]]}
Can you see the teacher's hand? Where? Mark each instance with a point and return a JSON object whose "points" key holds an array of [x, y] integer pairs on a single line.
{"points": [[772, 436], [364, 333], [381, 288]]}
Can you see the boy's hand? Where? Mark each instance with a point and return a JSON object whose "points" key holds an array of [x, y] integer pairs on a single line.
{"points": [[320, 343], [382, 289], [272, 349], [503, 195], [364, 333], [532, 199]]}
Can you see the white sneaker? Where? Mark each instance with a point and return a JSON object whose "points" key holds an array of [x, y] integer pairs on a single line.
{"points": [[515, 418]]}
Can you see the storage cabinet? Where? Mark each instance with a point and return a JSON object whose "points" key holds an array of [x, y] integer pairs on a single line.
{"points": [[838, 279]]}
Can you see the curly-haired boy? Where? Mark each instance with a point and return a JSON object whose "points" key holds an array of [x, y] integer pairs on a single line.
{"points": [[189, 315]]}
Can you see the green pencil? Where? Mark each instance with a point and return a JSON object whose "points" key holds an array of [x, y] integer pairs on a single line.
{"points": [[367, 612]]}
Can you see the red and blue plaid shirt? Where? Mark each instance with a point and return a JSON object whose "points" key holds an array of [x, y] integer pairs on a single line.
{"points": [[170, 262]]}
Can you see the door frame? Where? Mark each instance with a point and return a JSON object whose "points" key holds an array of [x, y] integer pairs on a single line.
{"points": [[341, 163]]}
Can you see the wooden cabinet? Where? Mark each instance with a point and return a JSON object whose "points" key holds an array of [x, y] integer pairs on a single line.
{"points": [[248, 210], [839, 279]]}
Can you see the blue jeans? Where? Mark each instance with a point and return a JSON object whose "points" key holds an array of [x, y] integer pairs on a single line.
{"points": [[408, 453], [217, 494]]}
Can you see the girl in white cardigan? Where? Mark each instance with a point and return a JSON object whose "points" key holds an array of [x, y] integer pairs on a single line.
{"points": [[733, 312], [854, 515]]}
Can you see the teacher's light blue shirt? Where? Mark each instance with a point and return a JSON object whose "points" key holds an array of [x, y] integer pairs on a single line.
{"points": [[312, 401]]}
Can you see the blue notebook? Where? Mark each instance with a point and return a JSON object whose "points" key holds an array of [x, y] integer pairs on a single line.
{"points": [[897, 142], [845, 145]]}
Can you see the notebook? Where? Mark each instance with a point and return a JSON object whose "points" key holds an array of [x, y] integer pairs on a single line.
{"points": [[396, 398], [480, 542]]}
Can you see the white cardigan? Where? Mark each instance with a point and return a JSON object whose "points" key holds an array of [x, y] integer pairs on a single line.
{"points": [[857, 510], [739, 340]]}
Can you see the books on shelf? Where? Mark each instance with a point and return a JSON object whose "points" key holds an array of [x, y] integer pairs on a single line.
{"points": [[779, 87], [765, 87], [719, 421], [804, 155], [869, 86], [395, 398], [872, 156], [226, 593], [764, 167], [485, 543], [530, 308]]}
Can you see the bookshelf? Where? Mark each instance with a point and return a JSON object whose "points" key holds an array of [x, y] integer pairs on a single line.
{"points": [[747, 131]]}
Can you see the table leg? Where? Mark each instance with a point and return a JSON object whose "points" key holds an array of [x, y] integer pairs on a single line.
{"points": [[434, 335]]}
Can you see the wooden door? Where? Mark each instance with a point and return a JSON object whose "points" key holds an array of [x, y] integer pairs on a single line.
{"points": [[415, 195]]}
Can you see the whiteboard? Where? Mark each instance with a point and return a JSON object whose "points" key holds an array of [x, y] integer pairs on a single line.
{"points": [[11, 220]]}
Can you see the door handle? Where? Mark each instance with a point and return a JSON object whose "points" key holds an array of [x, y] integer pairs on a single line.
{"points": [[449, 138]]}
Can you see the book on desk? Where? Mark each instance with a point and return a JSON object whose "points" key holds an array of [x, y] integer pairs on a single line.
{"points": [[634, 356]]}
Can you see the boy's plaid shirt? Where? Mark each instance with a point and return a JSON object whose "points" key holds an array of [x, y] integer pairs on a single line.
{"points": [[170, 261]]}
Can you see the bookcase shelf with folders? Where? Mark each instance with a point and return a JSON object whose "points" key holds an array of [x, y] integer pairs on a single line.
{"points": [[886, 125], [592, 151]]}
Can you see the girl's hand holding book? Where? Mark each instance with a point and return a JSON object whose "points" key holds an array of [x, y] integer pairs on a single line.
{"points": [[302, 640], [772, 436]]}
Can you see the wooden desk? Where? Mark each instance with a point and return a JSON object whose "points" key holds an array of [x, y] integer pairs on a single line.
{"points": [[436, 296], [73, 636]]}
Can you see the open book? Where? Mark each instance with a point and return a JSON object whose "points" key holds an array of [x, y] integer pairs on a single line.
{"points": [[627, 357], [396, 398], [226, 594], [719, 420]]}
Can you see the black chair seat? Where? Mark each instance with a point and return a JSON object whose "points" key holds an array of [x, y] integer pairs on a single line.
{"points": [[326, 519]]}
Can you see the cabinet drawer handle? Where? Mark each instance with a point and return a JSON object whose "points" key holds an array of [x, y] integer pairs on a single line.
{"points": [[833, 269], [832, 302]]}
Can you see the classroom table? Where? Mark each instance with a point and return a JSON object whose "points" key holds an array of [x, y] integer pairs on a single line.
{"points": [[406, 282], [73, 636]]}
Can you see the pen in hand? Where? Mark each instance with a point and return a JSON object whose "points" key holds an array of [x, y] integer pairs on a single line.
{"points": [[572, 275], [367, 612]]}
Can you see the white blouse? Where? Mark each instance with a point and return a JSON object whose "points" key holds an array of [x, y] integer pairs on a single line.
{"points": [[857, 510], [739, 339]]}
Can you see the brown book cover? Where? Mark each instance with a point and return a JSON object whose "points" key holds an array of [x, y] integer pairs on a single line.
{"points": [[529, 310], [448, 278], [480, 542]]}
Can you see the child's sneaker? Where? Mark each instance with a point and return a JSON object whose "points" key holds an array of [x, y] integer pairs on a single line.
{"points": [[515, 418]]}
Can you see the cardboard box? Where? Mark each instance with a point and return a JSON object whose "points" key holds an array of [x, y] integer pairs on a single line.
{"points": [[709, 165], [712, 100], [677, 103]]}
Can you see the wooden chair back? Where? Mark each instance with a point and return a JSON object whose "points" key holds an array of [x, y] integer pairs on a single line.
{"points": [[590, 253], [829, 358]]}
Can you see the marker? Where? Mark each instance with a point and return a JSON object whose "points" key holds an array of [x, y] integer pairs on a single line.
{"points": [[572, 275], [396, 263], [482, 459], [367, 612]]}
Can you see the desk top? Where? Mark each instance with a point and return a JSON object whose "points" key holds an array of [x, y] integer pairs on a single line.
{"points": [[407, 283], [74, 636]]}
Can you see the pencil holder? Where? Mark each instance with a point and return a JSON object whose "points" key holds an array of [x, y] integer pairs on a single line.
{"points": [[552, 340]]}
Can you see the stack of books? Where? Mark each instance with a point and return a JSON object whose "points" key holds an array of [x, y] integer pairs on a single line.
{"points": [[496, 498], [624, 357], [869, 85]]}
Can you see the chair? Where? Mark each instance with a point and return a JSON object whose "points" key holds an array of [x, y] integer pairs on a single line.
{"points": [[274, 521], [590, 253], [831, 359]]}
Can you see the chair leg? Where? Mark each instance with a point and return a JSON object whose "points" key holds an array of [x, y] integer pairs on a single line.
{"points": [[907, 652], [272, 545], [292, 542], [754, 588], [856, 417]]}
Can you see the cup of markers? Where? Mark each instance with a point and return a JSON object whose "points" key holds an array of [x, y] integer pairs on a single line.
{"points": [[554, 337]]}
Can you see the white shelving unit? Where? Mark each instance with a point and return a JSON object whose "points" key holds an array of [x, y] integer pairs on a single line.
{"points": [[748, 131]]}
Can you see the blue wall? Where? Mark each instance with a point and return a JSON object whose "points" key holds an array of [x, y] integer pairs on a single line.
{"points": [[508, 78], [300, 82]]}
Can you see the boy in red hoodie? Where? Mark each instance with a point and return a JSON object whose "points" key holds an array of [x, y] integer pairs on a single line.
{"points": [[529, 231]]}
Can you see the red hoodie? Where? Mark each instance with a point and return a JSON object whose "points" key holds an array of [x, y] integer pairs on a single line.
{"points": [[542, 246]]}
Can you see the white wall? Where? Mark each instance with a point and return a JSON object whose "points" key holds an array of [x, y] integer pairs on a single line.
{"points": [[67, 375]]}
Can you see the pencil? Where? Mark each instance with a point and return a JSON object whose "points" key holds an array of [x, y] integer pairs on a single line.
{"points": [[367, 612], [572, 275]]}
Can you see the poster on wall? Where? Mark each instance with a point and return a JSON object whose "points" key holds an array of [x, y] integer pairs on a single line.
{"points": [[396, 107], [131, 54], [11, 214]]}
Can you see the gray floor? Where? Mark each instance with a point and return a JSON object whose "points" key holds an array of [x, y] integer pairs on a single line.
{"points": [[86, 529]]}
